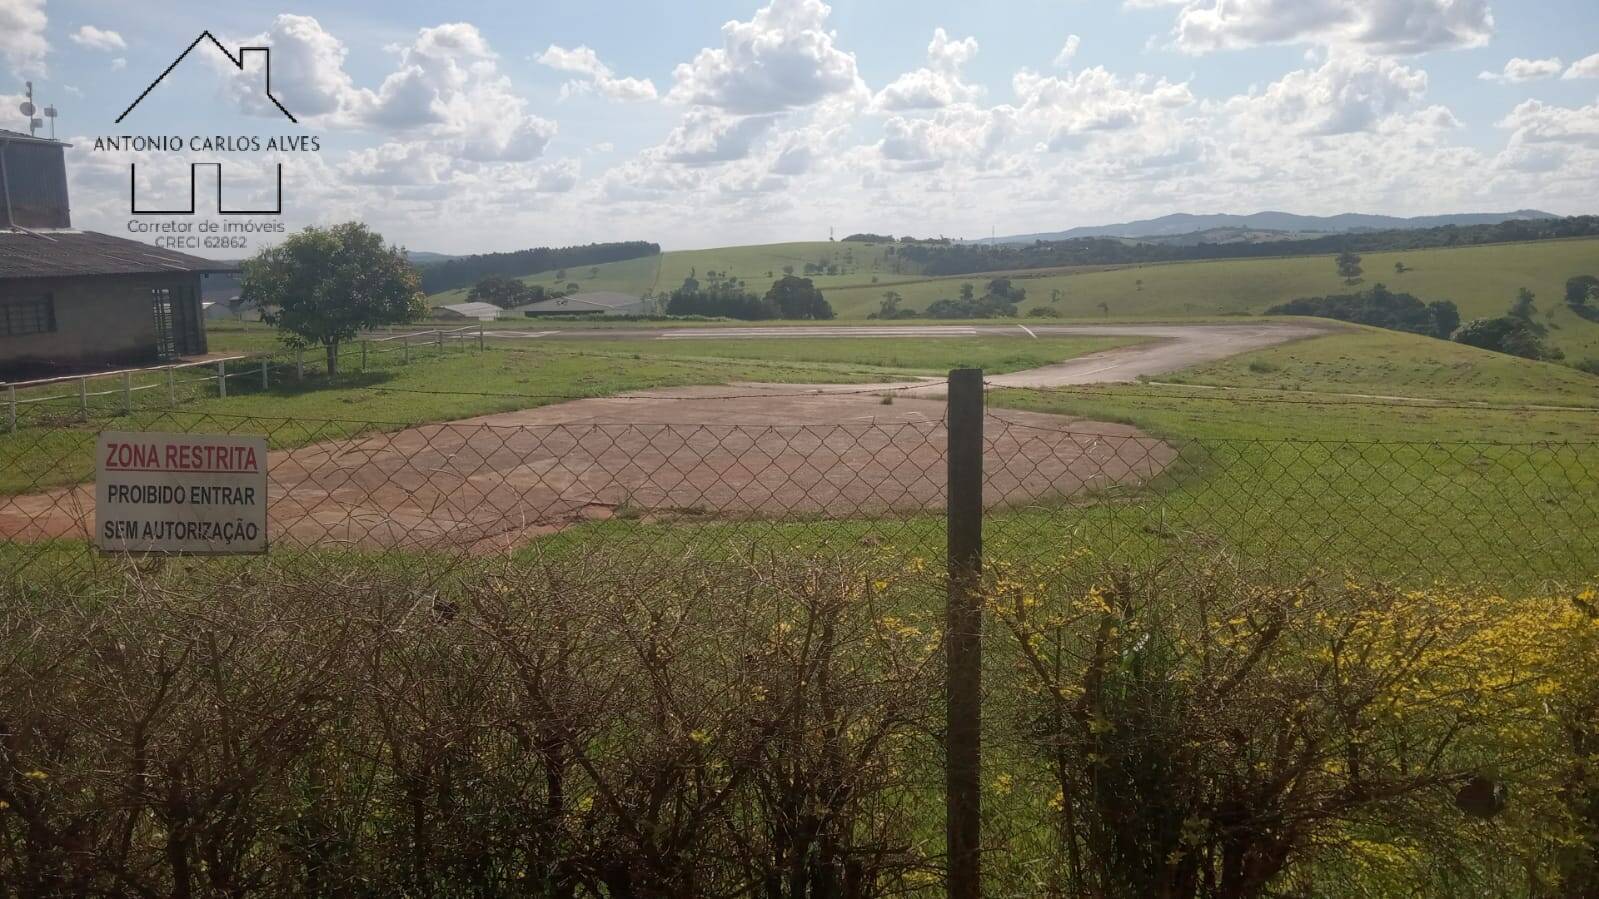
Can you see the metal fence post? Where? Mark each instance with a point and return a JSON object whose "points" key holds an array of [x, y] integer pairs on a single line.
{"points": [[299, 364], [438, 339], [405, 348], [83, 397], [363, 355], [480, 337], [963, 636], [172, 386], [127, 392], [222, 378], [11, 408], [264, 384]]}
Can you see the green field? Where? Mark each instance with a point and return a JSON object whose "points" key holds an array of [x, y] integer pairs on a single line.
{"points": [[461, 382], [758, 265], [1481, 280], [1372, 361]]}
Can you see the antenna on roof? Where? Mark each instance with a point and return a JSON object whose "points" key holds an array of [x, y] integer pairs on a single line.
{"points": [[28, 109], [50, 113]]}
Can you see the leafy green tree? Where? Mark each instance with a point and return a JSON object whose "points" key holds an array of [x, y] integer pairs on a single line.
{"points": [[890, 306], [1349, 267], [505, 293], [1581, 290], [968, 292], [1523, 306], [798, 298], [1507, 334], [1400, 267], [326, 285], [1055, 293]]}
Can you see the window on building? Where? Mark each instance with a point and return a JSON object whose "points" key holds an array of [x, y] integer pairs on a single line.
{"points": [[31, 316]]}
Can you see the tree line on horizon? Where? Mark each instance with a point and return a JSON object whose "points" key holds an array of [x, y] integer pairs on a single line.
{"points": [[463, 271], [944, 258]]}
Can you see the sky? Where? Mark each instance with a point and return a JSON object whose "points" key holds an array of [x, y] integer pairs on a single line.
{"points": [[479, 126]]}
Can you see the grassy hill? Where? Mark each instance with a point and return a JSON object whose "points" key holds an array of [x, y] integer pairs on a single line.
{"points": [[857, 263], [1482, 280]]}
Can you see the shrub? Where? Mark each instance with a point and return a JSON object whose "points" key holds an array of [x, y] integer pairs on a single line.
{"points": [[1507, 334]]}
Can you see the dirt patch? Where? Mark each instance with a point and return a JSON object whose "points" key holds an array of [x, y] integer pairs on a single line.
{"points": [[694, 454]]}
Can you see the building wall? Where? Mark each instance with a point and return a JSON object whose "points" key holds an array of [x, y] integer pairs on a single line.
{"points": [[33, 191], [102, 321]]}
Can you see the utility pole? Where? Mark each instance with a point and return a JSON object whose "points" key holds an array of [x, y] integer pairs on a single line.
{"points": [[963, 674]]}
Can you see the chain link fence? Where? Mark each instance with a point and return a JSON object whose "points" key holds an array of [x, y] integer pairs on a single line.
{"points": [[1052, 487], [643, 656]]}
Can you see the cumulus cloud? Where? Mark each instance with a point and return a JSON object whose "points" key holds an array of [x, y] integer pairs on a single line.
{"points": [[446, 90], [782, 59], [936, 85], [98, 39], [22, 42], [1518, 70], [1537, 122], [707, 136], [1399, 27], [1587, 67], [1349, 92], [582, 60], [1068, 51], [1093, 100]]}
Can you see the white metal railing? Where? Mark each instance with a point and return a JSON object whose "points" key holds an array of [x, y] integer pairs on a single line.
{"points": [[246, 366]]}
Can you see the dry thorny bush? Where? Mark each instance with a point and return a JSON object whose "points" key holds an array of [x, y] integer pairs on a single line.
{"points": [[772, 729], [1219, 736], [696, 731]]}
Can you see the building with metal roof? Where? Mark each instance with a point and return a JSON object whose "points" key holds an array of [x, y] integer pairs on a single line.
{"points": [[482, 312], [79, 300], [595, 302]]}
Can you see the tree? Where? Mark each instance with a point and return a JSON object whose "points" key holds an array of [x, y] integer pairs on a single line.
{"points": [[560, 274], [1581, 290], [968, 292], [326, 285], [505, 293], [1055, 293], [1105, 308], [1349, 267], [798, 298], [890, 307], [594, 272], [1507, 334], [1522, 306], [1445, 317], [1400, 267], [788, 269]]}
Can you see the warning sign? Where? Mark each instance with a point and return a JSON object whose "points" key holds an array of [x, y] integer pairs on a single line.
{"points": [[180, 493]]}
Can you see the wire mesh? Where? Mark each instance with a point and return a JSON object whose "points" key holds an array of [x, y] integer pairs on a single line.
{"points": [[1052, 488]]}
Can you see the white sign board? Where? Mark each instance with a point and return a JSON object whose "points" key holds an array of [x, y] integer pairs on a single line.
{"points": [[180, 493]]}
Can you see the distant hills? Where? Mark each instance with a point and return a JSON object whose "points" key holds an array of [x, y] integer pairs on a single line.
{"points": [[423, 257], [1276, 225]]}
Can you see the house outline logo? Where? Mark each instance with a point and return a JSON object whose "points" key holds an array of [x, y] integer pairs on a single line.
{"points": [[237, 59], [238, 63]]}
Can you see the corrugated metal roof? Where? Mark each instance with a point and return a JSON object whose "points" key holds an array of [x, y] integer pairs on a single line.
{"points": [[596, 300], [7, 134], [474, 310], [65, 254]]}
